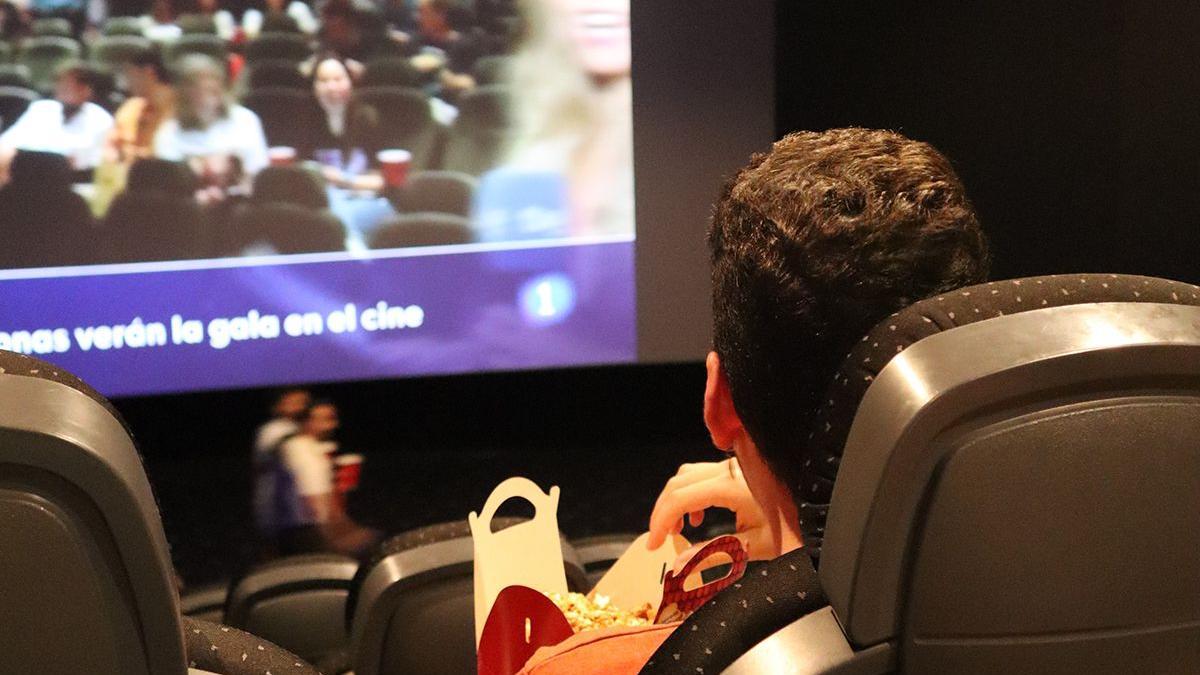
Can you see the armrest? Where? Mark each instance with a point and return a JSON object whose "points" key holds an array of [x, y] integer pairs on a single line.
{"points": [[228, 651]]}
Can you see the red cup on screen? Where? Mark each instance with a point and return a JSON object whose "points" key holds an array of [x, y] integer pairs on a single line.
{"points": [[281, 155], [393, 164], [347, 471]]}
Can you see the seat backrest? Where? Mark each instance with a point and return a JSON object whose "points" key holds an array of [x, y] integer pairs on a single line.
{"points": [[122, 25], [15, 75], [392, 71], [14, 100], [84, 570], [405, 121], [289, 185], [206, 603], [437, 192], [51, 26], [198, 43], [152, 225], [422, 229], [288, 228], [282, 46], [44, 54], [476, 140], [289, 115], [112, 51], [1004, 479], [276, 73], [412, 609], [197, 24], [298, 603]]}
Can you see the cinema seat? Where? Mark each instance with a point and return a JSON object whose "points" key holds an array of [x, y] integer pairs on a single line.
{"points": [[289, 185], [44, 54], [15, 75], [279, 228], [598, 553], [476, 140], [198, 43], [156, 217], [123, 25], [280, 46], [298, 603], [289, 116], [197, 24], [405, 121], [422, 229], [85, 572], [276, 73], [113, 51], [1017, 481], [411, 610], [436, 192], [13, 102], [206, 603], [392, 71], [51, 26]]}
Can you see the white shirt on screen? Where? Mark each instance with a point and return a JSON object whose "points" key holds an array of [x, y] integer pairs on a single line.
{"points": [[42, 128], [308, 461], [238, 134], [252, 20]]}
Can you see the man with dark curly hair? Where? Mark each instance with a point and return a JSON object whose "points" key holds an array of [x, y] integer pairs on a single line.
{"points": [[812, 244]]}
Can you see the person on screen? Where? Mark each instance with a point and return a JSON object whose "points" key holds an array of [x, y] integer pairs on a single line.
{"points": [[308, 516], [69, 124], [151, 102], [221, 140], [812, 244], [573, 108], [349, 139], [277, 12]]}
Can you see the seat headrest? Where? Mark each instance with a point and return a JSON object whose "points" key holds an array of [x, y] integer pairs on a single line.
{"points": [[831, 423]]}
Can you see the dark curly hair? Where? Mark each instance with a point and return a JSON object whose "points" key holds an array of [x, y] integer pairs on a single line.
{"points": [[813, 244]]}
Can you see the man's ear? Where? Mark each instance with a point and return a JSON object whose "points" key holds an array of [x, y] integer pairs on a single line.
{"points": [[722, 420]]}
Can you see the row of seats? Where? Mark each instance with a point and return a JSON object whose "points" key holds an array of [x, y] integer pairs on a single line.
{"points": [[1017, 481], [344, 616]]}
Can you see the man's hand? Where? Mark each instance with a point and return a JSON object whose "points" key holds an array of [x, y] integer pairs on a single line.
{"points": [[696, 487]]}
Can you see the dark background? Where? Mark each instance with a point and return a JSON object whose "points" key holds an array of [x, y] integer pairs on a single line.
{"points": [[1075, 127]]}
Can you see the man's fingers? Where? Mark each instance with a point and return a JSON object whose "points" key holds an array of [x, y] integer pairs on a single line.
{"points": [[673, 506]]}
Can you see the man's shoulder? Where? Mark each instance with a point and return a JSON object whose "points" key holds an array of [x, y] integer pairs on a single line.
{"points": [[96, 112]]}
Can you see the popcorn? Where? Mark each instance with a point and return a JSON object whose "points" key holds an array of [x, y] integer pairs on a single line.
{"points": [[590, 613]]}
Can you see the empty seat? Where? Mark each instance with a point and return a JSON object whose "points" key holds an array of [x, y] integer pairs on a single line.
{"points": [[113, 51], [197, 24], [51, 26], [406, 122], [43, 55], [412, 608], [44, 223], [597, 554], [87, 581], [290, 185], [422, 229], [156, 217], [298, 603], [206, 603], [276, 73], [198, 43], [287, 229], [15, 75], [435, 191], [281, 46], [476, 140], [289, 116], [122, 25], [1022, 448], [13, 102], [392, 71], [6, 51]]}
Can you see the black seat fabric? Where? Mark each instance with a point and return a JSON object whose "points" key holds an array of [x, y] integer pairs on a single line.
{"points": [[289, 185], [831, 423], [44, 222], [289, 116], [437, 192], [422, 229], [287, 229], [87, 577], [770, 595], [229, 651]]}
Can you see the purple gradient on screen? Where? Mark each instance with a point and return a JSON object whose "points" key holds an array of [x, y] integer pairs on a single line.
{"points": [[472, 318]]}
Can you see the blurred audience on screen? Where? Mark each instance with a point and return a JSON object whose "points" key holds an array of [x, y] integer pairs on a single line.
{"points": [[346, 144], [304, 513], [151, 102], [69, 124], [276, 14], [574, 114], [221, 140], [50, 223]]}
